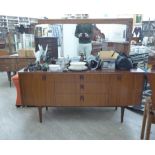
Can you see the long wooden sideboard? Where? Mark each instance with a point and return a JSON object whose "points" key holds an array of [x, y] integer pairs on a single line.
{"points": [[13, 64], [81, 89]]}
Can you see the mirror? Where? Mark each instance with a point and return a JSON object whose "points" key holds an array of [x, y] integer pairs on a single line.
{"points": [[102, 35], [105, 35]]}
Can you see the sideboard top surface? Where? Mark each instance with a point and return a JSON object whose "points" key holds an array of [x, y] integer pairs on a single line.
{"points": [[139, 71]]}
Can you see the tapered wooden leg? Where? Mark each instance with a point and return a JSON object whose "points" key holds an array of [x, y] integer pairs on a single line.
{"points": [[40, 114], [122, 114], [115, 108], [46, 108], [148, 127], [143, 123]]}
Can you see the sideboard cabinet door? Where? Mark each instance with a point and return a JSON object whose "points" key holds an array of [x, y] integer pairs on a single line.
{"points": [[33, 89], [66, 90], [50, 94], [113, 90]]}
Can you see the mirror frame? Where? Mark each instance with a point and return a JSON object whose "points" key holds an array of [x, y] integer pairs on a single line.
{"points": [[124, 21]]}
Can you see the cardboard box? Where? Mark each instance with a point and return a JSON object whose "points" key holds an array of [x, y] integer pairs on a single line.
{"points": [[108, 55], [26, 53]]}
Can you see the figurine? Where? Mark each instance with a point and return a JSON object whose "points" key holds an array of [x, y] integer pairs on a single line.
{"points": [[41, 54]]}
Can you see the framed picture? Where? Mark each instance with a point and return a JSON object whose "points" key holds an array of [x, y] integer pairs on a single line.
{"points": [[138, 18]]}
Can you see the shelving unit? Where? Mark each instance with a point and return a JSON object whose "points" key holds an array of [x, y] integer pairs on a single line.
{"points": [[3, 26], [148, 28], [8, 23], [8, 30], [24, 21]]}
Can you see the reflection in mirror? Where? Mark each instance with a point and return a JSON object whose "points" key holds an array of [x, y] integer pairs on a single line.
{"points": [[62, 41], [105, 36], [51, 36], [113, 32]]}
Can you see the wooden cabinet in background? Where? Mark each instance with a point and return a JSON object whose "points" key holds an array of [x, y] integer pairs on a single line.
{"points": [[109, 45], [119, 46], [10, 64], [52, 45]]}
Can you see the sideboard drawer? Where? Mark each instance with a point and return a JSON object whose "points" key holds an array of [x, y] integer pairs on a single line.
{"points": [[67, 100], [88, 100], [91, 87], [93, 78], [66, 78], [66, 88]]}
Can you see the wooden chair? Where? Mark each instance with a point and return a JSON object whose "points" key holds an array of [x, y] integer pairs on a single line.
{"points": [[149, 110]]}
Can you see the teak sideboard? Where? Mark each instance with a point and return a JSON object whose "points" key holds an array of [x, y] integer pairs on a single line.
{"points": [[81, 89]]}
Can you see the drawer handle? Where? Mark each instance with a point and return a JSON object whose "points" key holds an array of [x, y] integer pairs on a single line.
{"points": [[44, 77], [81, 77], [82, 86], [81, 98]]}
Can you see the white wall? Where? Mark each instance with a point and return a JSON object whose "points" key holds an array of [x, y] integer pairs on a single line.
{"points": [[113, 32], [148, 16], [56, 9], [70, 41]]}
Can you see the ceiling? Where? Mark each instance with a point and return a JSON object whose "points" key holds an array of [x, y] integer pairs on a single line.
{"points": [[57, 9]]}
